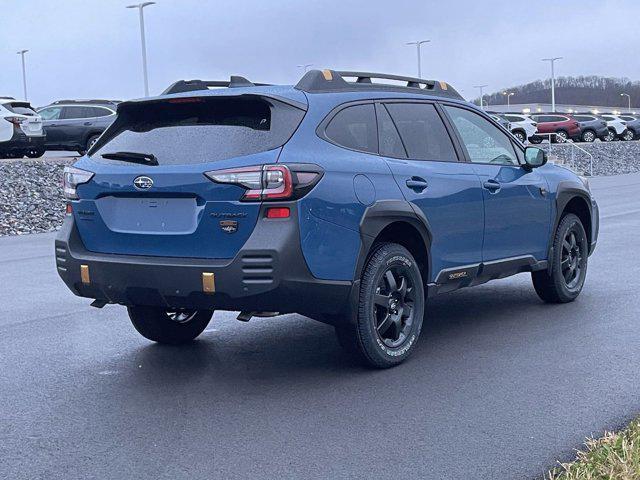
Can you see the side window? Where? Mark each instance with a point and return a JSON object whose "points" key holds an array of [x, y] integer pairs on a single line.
{"points": [[422, 131], [484, 142], [50, 113], [98, 112], [390, 142], [73, 112], [355, 128], [514, 119]]}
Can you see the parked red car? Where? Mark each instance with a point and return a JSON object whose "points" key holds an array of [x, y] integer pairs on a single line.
{"points": [[563, 125]]}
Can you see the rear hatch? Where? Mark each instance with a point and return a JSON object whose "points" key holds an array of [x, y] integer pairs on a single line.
{"points": [[172, 209], [31, 124]]}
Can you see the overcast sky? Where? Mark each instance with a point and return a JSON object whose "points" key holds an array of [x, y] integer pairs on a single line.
{"points": [[91, 48]]}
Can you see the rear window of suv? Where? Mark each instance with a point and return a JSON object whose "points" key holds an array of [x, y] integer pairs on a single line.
{"points": [[199, 130], [20, 108]]}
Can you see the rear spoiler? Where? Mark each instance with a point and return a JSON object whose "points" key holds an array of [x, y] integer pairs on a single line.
{"points": [[235, 81], [182, 98]]}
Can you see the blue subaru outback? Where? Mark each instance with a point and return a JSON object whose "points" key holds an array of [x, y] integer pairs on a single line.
{"points": [[350, 198]]}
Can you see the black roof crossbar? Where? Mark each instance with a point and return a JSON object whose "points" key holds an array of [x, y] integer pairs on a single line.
{"points": [[316, 81], [194, 85]]}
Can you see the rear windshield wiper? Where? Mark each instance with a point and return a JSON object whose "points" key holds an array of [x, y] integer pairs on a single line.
{"points": [[133, 157]]}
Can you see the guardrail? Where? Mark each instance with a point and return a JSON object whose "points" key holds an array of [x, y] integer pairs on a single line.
{"points": [[573, 150]]}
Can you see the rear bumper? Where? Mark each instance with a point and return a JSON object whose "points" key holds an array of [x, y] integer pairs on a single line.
{"points": [[20, 141], [268, 274]]}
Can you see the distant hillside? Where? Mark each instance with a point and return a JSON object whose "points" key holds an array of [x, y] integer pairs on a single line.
{"points": [[590, 90]]}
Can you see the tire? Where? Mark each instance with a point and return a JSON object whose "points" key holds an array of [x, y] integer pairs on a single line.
{"points": [[90, 141], [536, 140], [627, 135], [588, 136], [390, 309], [568, 265], [561, 137], [609, 137], [520, 135], [169, 326]]}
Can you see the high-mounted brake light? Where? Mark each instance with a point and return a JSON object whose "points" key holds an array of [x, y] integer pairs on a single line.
{"points": [[270, 182]]}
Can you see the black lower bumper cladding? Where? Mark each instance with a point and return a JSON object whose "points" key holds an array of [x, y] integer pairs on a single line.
{"points": [[268, 274]]}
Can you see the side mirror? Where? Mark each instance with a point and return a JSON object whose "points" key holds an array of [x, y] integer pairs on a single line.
{"points": [[534, 157]]}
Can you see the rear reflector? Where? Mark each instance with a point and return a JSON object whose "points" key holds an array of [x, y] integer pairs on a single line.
{"points": [[69, 209], [278, 212], [208, 282], [84, 274]]}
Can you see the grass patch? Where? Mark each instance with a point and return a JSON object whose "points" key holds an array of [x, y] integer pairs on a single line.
{"points": [[615, 456]]}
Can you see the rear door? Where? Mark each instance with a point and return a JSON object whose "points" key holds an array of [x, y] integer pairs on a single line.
{"points": [[74, 125], [173, 209], [517, 208], [426, 167], [51, 121]]}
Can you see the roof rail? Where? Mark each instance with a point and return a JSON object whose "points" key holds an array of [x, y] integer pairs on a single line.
{"points": [[315, 81], [195, 85], [91, 101], [7, 98]]}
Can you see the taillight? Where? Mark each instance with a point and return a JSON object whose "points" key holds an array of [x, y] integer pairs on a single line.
{"points": [[270, 182], [15, 120], [72, 177]]}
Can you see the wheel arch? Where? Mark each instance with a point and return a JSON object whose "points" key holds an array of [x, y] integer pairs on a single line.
{"points": [[398, 222], [571, 199]]}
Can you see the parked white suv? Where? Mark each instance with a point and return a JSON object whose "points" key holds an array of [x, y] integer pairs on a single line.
{"points": [[20, 130], [522, 127], [617, 127]]}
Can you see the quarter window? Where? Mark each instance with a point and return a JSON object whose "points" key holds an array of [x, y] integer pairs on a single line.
{"points": [[422, 131], [485, 143], [355, 128]]}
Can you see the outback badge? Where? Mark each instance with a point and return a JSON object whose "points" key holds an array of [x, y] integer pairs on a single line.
{"points": [[229, 226]]}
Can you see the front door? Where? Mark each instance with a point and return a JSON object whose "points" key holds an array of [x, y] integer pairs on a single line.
{"points": [[517, 206], [424, 163]]}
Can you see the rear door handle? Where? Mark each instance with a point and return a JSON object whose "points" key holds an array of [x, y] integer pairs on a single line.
{"points": [[492, 185], [417, 184], [87, 123]]}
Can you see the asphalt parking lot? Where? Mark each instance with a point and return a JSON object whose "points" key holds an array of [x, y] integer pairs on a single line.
{"points": [[501, 386]]}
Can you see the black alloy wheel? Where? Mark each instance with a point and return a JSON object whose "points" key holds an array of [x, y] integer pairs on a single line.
{"points": [[393, 306]]}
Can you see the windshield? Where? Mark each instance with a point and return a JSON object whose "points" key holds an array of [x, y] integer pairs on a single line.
{"points": [[198, 130]]}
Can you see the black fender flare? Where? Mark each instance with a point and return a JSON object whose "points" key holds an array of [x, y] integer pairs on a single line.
{"points": [[567, 191], [383, 213]]}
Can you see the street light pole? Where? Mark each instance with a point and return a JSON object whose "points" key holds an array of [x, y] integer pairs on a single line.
{"points": [[140, 7], [553, 80], [305, 67], [481, 87], [24, 73], [628, 98], [508, 95], [417, 44]]}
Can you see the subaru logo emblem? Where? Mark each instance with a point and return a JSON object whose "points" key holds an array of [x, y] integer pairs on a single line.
{"points": [[143, 183]]}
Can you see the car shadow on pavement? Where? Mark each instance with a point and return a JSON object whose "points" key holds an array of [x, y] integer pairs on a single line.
{"points": [[292, 346]]}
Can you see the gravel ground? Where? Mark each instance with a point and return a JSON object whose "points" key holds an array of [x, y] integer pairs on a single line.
{"points": [[31, 193], [614, 158]]}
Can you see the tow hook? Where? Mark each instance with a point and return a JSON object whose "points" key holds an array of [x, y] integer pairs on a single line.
{"points": [[246, 316], [99, 303]]}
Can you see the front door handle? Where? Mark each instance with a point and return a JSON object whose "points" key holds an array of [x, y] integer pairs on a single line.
{"points": [[492, 185], [87, 123], [417, 184]]}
